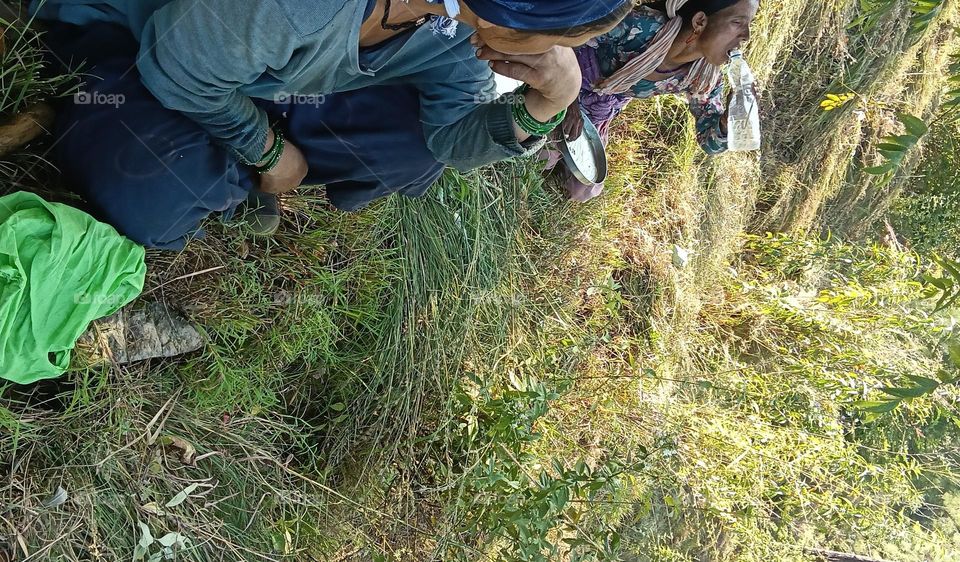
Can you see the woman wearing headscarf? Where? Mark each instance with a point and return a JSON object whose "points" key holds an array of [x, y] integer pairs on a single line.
{"points": [[672, 47], [198, 103]]}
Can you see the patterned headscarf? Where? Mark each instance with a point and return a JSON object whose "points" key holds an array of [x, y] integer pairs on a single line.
{"points": [[703, 76]]}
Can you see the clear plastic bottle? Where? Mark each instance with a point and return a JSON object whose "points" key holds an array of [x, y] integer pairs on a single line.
{"points": [[743, 118]]}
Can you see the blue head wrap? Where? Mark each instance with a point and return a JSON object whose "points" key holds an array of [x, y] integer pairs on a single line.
{"points": [[542, 15]]}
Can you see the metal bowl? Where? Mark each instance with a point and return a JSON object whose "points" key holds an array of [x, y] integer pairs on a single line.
{"points": [[576, 153]]}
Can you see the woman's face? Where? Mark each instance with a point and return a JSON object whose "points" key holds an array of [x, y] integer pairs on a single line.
{"points": [[513, 42], [725, 30]]}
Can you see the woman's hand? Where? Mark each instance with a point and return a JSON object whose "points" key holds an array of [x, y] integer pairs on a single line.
{"points": [[289, 172], [554, 77], [573, 123]]}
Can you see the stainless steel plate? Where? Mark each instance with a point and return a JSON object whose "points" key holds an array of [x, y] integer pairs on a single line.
{"points": [[586, 156]]}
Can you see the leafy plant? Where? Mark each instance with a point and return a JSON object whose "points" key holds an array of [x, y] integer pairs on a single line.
{"points": [[168, 545], [922, 14], [894, 148], [23, 70], [950, 106], [529, 512], [873, 12], [927, 213], [912, 388], [945, 286]]}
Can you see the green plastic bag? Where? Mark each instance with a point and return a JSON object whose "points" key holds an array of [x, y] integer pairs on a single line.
{"points": [[60, 269]]}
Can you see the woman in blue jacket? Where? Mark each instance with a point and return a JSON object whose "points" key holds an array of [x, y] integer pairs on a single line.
{"points": [[197, 102]]}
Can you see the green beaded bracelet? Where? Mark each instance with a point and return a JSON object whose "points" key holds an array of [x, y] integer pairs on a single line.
{"points": [[528, 123], [273, 155], [269, 154]]}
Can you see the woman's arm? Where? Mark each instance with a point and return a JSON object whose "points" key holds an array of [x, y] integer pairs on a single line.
{"points": [[711, 117]]}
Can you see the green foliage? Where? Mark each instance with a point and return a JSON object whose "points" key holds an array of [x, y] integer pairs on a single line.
{"points": [[895, 148], [950, 105], [856, 47], [912, 388], [23, 74], [872, 13], [946, 286], [927, 214], [922, 13], [837, 347], [149, 475], [533, 513], [491, 374]]}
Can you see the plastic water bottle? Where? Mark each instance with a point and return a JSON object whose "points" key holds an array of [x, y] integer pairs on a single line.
{"points": [[743, 117]]}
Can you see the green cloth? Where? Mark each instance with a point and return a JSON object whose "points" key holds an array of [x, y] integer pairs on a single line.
{"points": [[59, 270]]}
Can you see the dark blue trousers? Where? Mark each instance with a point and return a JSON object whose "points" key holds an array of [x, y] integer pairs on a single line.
{"points": [[155, 175]]}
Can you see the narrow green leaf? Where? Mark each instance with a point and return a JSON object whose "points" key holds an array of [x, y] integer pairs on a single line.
{"points": [[870, 417], [943, 303], [143, 546], [915, 126], [899, 392], [937, 282], [906, 140], [182, 496], [171, 539], [878, 170], [954, 350], [927, 384], [946, 377], [889, 146], [877, 406], [950, 266]]}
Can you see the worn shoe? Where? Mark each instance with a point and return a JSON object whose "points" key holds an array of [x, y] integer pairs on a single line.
{"points": [[262, 213]]}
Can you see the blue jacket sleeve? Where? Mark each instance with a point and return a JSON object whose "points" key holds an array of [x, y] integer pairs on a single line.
{"points": [[195, 56], [466, 124]]}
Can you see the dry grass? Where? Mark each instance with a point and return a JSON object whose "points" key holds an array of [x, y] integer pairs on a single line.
{"points": [[857, 205], [818, 155]]}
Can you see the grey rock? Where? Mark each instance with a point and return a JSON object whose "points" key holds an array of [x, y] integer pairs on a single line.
{"points": [[140, 332]]}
